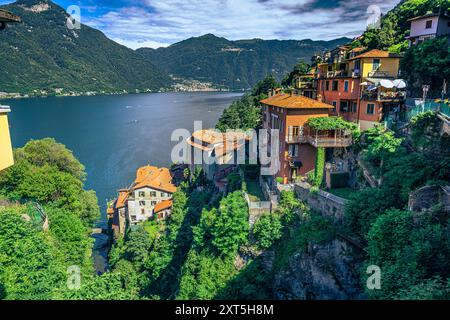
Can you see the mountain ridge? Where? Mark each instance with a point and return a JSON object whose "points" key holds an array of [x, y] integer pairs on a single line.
{"points": [[234, 64], [42, 54]]}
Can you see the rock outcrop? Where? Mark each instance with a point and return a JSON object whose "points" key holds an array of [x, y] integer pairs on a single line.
{"points": [[322, 272]]}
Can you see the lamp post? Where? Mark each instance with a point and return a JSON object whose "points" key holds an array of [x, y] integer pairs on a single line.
{"points": [[425, 89]]}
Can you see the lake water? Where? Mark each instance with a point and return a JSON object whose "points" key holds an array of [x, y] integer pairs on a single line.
{"points": [[114, 135]]}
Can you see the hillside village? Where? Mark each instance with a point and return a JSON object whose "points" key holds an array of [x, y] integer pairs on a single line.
{"points": [[348, 89], [362, 178]]}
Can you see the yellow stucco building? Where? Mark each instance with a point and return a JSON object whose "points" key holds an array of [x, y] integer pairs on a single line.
{"points": [[6, 153]]}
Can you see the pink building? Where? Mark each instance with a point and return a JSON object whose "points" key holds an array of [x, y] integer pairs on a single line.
{"points": [[429, 26]]}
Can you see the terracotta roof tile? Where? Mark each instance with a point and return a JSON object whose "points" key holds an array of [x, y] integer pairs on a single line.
{"points": [[166, 204], [122, 199], [295, 102], [375, 53], [153, 177]]}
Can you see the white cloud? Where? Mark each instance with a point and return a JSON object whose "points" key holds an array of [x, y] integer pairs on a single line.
{"points": [[163, 22]]}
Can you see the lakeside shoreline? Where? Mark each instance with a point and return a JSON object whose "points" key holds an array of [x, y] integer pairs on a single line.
{"points": [[16, 96]]}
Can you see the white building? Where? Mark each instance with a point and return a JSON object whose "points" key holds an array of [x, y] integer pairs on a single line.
{"points": [[150, 195], [429, 26]]}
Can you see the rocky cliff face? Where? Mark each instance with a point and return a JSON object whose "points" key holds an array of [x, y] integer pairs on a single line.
{"points": [[322, 272]]}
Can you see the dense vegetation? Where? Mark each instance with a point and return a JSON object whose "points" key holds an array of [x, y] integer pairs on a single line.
{"points": [[246, 113], [412, 249], [394, 26], [427, 64], [235, 65], [41, 53], [45, 220]]}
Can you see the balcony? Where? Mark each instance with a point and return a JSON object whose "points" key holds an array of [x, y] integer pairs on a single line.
{"points": [[336, 74], [379, 74], [325, 141], [384, 96]]}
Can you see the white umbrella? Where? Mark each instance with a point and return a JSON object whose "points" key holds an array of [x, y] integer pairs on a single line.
{"points": [[400, 83], [365, 83], [386, 83]]}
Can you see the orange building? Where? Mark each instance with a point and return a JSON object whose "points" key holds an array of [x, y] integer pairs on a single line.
{"points": [[360, 85], [298, 146]]}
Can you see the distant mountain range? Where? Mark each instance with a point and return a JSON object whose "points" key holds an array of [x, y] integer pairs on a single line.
{"points": [[234, 64], [41, 53]]}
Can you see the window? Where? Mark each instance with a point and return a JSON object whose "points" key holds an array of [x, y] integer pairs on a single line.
{"points": [[153, 194], [141, 194], [344, 106], [376, 64], [370, 108], [133, 218], [330, 68], [327, 86], [154, 203], [322, 85], [335, 85], [163, 194], [428, 24], [346, 86], [295, 132], [293, 150], [354, 106], [142, 203], [334, 103], [357, 68]]}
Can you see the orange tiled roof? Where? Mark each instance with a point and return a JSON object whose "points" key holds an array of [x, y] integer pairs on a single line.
{"points": [[122, 199], [295, 102], [358, 49], [375, 53], [217, 140], [154, 177], [166, 204]]}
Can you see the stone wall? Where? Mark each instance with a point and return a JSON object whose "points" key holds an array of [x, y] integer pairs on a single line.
{"points": [[429, 196], [322, 202]]}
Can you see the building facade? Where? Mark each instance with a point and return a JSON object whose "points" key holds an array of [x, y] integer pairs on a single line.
{"points": [[149, 197], [297, 144], [361, 86], [429, 26], [216, 153], [6, 152]]}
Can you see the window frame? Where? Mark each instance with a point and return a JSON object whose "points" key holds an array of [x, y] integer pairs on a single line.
{"points": [[373, 108]]}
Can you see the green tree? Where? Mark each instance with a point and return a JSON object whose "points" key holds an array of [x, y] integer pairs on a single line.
{"points": [[230, 228], [267, 230], [427, 64]]}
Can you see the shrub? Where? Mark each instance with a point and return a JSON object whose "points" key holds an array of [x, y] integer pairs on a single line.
{"points": [[267, 230]]}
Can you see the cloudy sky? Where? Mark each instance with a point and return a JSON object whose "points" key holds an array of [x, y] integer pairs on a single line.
{"points": [[156, 23]]}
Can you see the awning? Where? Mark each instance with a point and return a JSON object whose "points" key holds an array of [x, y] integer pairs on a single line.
{"points": [[387, 83], [400, 84]]}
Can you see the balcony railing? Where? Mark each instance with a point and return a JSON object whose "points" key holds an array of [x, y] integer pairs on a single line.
{"points": [[321, 141], [384, 95], [335, 74], [379, 74]]}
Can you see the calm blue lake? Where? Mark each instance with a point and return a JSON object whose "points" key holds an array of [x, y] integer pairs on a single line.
{"points": [[114, 135]]}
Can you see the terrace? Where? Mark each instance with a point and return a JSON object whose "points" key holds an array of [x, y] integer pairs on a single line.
{"points": [[330, 133]]}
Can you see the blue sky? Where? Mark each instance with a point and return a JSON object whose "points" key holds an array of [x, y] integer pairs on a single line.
{"points": [[156, 23]]}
